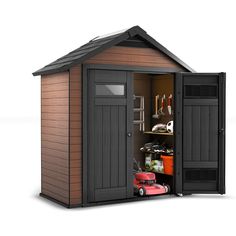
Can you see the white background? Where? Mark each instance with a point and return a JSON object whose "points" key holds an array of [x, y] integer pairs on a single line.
{"points": [[34, 33]]}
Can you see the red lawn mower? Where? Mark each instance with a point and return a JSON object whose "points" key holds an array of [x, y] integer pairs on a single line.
{"points": [[145, 183]]}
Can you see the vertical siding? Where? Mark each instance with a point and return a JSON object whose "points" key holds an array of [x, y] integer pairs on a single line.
{"points": [[75, 136], [200, 133], [55, 136]]}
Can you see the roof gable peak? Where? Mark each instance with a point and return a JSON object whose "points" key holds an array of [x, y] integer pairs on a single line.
{"points": [[100, 43]]}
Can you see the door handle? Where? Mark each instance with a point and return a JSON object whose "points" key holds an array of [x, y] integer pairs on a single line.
{"points": [[129, 134], [221, 131]]}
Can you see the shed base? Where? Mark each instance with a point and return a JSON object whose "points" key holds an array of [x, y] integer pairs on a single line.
{"points": [[136, 198], [59, 202]]}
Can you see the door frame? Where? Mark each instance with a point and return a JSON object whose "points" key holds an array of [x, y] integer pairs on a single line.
{"points": [[84, 75], [222, 110]]}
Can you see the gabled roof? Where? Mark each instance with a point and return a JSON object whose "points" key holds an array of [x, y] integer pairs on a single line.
{"points": [[101, 43]]}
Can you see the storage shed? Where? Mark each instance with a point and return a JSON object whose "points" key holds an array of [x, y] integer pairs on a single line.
{"points": [[124, 98]]}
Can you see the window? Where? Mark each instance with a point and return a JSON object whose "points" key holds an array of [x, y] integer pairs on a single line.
{"points": [[110, 90]]}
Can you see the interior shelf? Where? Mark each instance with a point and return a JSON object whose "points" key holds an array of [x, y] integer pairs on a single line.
{"points": [[156, 133]]}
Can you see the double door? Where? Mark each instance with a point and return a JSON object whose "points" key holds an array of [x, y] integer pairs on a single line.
{"points": [[199, 125]]}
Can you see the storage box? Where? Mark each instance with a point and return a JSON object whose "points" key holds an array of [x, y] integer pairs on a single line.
{"points": [[168, 164]]}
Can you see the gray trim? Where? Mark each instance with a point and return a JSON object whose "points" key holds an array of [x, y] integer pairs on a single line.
{"points": [[200, 73], [69, 133], [222, 113], [140, 69], [41, 131], [129, 81], [84, 131], [178, 130], [90, 131]]}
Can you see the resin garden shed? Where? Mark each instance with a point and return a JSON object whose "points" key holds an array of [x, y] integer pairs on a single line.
{"points": [[99, 106]]}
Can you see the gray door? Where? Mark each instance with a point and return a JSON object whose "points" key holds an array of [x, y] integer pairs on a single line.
{"points": [[110, 135], [200, 120]]}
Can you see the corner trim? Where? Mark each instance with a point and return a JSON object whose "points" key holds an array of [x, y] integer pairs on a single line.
{"points": [[69, 72], [221, 138], [84, 132], [178, 137]]}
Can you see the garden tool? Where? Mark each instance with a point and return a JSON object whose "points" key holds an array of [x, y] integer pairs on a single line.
{"points": [[162, 105], [169, 104], [156, 115]]}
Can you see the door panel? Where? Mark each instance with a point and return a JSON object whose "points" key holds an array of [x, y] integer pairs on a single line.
{"points": [[200, 138], [109, 155], [198, 156]]}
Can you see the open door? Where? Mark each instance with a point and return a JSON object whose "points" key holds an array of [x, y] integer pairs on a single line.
{"points": [[110, 115], [199, 133]]}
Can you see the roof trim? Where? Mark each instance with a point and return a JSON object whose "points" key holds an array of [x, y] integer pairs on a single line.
{"points": [[136, 30]]}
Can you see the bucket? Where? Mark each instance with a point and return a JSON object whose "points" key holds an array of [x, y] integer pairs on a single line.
{"points": [[168, 164]]}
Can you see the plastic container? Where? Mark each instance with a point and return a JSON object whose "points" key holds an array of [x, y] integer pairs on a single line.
{"points": [[168, 164]]}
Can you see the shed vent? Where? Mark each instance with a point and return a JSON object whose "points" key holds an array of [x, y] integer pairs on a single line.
{"points": [[199, 175], [200, 91]]}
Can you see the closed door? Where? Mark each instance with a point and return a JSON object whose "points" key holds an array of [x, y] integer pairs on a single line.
{"points": [[202, 148], [110, 135]]}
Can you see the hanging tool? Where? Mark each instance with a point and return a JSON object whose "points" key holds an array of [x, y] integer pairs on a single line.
{"points": [[156, 115], [162, 104], [169, 104], [159, 112]]}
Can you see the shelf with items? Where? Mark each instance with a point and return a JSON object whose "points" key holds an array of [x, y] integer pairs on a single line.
{"points": [[161, 165]]}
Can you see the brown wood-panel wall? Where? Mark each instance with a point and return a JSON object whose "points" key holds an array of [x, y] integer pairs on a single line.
{"points": [[55, 136], [131, 56], [61, 136], [75, 135]]}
